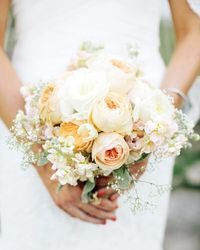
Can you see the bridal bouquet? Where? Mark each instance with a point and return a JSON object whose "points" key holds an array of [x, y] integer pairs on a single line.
{"points": [[97, 119]]}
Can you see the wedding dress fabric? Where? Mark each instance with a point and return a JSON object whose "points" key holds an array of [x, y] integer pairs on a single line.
{"points": [[48, 33], [195, 6]]}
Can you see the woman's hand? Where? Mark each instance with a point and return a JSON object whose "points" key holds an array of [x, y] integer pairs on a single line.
{"points": [[69, 200], [136, 170]]}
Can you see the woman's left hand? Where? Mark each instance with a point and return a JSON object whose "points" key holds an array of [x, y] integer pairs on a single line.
{"points": [[137, 169]]}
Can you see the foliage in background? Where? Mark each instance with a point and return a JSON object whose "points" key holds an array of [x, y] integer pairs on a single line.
{"points": [[167, 39]]}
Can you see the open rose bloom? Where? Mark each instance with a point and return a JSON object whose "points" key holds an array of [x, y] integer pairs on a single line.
{"points": [[97, 119]]}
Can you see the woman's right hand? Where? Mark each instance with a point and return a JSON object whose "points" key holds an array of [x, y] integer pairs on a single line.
{"points": [[69, 200]]}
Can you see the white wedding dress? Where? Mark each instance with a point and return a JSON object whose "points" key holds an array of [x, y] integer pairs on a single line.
{"points": [[49, 32]]}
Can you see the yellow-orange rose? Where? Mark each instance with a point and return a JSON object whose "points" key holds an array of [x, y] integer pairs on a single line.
{"points": [[49, 106], [83, 141], [53, 104], [110, 151], [113, 114]]}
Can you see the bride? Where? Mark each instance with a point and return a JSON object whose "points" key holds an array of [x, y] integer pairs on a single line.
{"points": [[33, 215]]}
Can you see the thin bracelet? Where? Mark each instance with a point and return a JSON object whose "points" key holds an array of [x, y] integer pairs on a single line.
{"points": [[186, 100]]}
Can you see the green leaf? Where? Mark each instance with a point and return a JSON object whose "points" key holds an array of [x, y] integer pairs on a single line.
{"points": [[59, 187], [87, 191], [42, 159], [123, 177], [90, 47], [144, 155]]}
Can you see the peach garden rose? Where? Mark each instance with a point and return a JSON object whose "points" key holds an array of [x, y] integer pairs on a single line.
{"points": [[110, 151], [52, 104], [48, 105], [113, 114]]}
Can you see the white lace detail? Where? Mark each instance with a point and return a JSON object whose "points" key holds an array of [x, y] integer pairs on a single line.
{"points": [[195, 6]]}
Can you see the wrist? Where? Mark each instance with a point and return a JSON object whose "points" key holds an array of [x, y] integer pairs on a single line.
{"points": [[180, 99], [177, 100]]}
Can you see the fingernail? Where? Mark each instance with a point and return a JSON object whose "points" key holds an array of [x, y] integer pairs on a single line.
{"points": [[101, 193], [113, 218]]}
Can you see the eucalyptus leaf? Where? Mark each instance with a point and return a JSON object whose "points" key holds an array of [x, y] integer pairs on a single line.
{"points": [[59, 187], [87, 191], [144, 156], [123, 178], [42, 159]]}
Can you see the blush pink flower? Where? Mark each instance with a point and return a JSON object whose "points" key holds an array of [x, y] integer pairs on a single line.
{"points": [[110, 151]]}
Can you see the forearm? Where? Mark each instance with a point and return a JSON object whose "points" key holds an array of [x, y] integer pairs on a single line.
{"points": [[184, 65], [10, 98], [185, 62], [11, 101]]}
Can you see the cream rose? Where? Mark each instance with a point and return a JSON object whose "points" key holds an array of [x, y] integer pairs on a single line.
{"points": [[113, 114], [52, 105], [82, 88], [120, 74], [110, 151]]}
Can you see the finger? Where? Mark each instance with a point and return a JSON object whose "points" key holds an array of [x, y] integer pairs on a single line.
{"points": [[107, 205], [103, 181], [114, 197], [105, 192], [80, 214], [138, 168], [97, 213]]}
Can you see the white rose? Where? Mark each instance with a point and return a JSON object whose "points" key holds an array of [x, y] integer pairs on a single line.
{"points": [[157, 107], [110, 151], [60, 105], [120, 74], [66, 108], [141, 91], [82, 88], [113, 114]]}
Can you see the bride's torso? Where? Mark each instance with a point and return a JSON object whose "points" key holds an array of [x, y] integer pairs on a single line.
{"points": [[49, 32]]}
